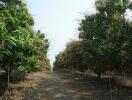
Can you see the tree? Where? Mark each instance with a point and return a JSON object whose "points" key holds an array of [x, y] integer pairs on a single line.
{"points": [[21, 48], [73, 57], [105, 33]]}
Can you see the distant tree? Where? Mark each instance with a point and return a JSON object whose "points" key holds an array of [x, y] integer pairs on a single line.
{"points": [[72, 57]]}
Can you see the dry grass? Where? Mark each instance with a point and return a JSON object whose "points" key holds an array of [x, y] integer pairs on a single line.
{"points": [[125, 82], [16, 91]]}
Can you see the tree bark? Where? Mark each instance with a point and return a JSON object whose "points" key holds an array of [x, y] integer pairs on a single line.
{"points": [[8, 77], [99, 75]]}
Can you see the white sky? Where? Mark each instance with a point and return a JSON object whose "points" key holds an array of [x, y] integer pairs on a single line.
{"points": [[59, 19]]}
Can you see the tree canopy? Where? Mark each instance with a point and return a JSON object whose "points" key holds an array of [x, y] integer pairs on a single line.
{"points": [[21, 47]]}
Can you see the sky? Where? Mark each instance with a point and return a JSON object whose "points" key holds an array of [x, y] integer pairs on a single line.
{"points": [[59, 20]]}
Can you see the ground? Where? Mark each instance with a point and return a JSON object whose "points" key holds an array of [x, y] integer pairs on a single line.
{"points": [[63, 85]]}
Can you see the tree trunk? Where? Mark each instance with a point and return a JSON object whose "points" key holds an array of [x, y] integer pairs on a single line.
{"points": [[99, 75], [8, 77]]}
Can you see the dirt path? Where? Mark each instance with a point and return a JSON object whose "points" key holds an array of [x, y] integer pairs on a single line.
{"points": [[65, 86]]}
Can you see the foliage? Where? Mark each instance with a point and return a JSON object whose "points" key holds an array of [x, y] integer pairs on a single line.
{"points": [[21, 48], [73, 57]]}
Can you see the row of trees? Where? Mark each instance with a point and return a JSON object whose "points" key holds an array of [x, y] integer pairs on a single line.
{"points": [[105, 41], [73, 57], [21, 48]]}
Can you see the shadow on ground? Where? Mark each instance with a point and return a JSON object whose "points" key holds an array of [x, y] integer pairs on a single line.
{"points": [[66, 86]]}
